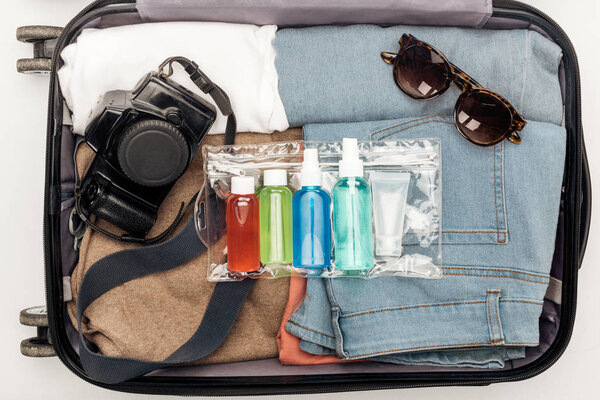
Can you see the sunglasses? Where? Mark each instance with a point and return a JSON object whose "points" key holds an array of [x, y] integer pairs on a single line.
{"points": [[483, 117]]}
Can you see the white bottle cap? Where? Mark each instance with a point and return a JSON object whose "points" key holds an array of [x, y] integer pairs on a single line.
{"points": [[350, 164], [275, 177], [242, 185], [311, 173]]}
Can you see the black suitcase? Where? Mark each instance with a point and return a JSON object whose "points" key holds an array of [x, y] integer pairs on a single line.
{"points": [[571, 241]]}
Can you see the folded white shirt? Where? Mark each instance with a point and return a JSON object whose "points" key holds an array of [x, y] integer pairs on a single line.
{"points": [[239, 58]]}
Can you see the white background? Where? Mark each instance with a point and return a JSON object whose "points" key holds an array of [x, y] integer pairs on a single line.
{"points": [[23, 105]]}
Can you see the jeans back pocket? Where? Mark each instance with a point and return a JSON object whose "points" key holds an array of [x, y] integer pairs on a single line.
{"points": [[474, 203]]}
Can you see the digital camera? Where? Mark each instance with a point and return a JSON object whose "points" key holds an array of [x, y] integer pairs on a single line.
{"points": [[144, 140]]}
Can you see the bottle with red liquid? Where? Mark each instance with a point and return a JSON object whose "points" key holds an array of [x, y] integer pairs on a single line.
{"points": [[242, 218]]}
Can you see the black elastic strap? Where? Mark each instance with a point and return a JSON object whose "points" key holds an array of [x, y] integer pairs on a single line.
{"points": [[118, 268]]}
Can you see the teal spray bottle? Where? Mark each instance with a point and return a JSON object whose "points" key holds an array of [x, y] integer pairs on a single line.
{"points": [[352, 217]]}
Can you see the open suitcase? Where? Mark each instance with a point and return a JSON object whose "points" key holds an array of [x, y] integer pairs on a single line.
{"points": [[60, 256]]}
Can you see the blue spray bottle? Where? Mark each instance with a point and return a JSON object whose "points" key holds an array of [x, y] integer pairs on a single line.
{"points": [[311, 209], [352, 218]]}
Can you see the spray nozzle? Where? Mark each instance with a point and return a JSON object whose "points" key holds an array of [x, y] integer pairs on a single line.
{"points": [[311, 173], [350, 164]]}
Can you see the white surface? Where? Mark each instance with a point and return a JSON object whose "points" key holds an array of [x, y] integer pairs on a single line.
{"points": [[240, 58], [23, 102]]}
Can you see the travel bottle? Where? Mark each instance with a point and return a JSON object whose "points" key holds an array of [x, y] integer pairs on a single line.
{"points": [[311, 209], [275, 201], [352, 219], [242, 218], [390, 191]]}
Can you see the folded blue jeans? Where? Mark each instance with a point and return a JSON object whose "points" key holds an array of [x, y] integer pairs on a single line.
{"points": [[500, 210], [335, 73]]}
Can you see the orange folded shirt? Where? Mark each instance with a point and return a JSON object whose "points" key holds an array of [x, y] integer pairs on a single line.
{"points": [[289, 345]]}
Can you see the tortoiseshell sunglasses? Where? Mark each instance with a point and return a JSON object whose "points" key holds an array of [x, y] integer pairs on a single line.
{"points": [[483, 117]]}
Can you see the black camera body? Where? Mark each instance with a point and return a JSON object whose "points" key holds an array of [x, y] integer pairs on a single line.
{"points": [[144, 140]]}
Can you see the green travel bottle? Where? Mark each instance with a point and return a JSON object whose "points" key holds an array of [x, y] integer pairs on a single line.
{"points": [[275, 202], [352, 218]]}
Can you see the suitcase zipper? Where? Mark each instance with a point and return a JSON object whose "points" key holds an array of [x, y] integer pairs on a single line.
{"points": [[191, 385], [52, 191]]}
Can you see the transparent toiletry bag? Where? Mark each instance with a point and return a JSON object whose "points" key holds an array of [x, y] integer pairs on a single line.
{"points": [[404, 225]]}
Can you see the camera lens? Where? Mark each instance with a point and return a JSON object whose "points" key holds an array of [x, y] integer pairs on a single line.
{"points": [[153, 153]]}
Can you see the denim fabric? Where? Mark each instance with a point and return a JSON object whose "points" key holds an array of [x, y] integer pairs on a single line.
{"points": [[492, 290], [335, 74], [466, 168], [475, 358]]}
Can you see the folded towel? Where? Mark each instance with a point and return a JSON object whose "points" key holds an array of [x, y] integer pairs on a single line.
{"points": [[239, 58]]}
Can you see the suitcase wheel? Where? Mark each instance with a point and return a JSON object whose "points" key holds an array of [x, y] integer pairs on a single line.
{"points": [[37, 33], [43, 39], [34, 316], [35, 347], [40, 345], [34, 66]]}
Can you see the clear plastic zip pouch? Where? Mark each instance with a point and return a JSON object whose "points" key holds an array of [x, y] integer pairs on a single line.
{"points": [[322, 209]]}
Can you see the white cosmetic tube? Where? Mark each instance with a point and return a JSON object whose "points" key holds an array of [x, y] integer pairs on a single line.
{"points": [[389, 191]]}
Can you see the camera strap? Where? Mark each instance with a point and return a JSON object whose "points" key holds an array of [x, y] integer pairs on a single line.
{"points": [[207, 86], [203, 82], [116, 269]]}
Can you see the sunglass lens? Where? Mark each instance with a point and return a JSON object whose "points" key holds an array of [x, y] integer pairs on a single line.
{"points": [[482, 118], [421, 72]]}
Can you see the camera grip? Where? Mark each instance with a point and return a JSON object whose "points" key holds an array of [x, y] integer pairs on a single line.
{"points": [[105, 200]]}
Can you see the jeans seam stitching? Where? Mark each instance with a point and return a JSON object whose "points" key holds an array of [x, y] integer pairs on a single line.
{"points": [[429, 306], [489, 316], [310, 330], [502, 193], [499, 276], [497, 309], [414, 307], [496, 197], [522, 301], [412, 126], [409, 122], [492, 296], [338, 335], [332, 299], [476, 357], [500, 270], [463, 345], [525, 65]]}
